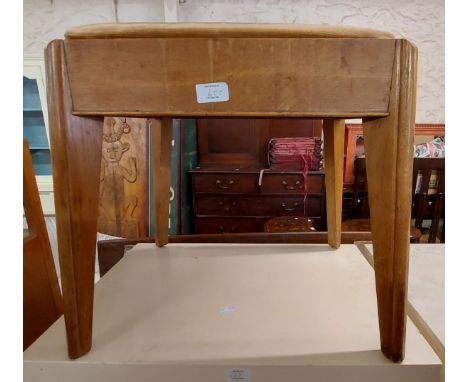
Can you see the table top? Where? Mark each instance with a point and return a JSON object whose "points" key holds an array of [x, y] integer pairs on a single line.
{"points": [[231, 303], [144, 30]]}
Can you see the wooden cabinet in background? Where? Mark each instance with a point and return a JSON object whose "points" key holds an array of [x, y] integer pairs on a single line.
{"points": [[227, 193], [245, 141]]}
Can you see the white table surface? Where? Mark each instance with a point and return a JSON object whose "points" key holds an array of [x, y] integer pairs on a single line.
{"points": [[193, 312]]}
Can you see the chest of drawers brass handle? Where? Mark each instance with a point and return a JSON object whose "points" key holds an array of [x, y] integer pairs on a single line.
{"points": [[222, 230], [226, 185], [227, 206], [293, 208], [287, 186]]}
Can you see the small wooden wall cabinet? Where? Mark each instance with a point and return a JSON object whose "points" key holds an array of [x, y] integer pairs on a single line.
{"points": [[266, 71]]}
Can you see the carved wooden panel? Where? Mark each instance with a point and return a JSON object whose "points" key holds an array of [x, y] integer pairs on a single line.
{"points": [[123, 198]]}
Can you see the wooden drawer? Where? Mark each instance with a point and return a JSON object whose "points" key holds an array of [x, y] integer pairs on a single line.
{"points": [[257, 205], [291, 184], [226, 183], [228, 225], [293, 206]]}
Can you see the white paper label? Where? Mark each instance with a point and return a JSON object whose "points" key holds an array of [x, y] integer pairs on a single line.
{"points": [[225, 310], [237, 375], [212, 92]]}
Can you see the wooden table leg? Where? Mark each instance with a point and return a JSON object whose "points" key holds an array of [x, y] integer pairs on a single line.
{"points": [[161, 132], [389, 162], [76, 144], [334, 132]]}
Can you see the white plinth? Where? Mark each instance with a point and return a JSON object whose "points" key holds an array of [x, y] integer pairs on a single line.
{"points": [[194, 312]]}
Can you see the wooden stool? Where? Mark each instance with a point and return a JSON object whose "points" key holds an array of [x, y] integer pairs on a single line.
{"points": [[42, 300], [289, 224], [239, 70], [364, 225]]}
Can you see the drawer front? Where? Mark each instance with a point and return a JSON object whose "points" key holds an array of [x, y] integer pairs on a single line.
{"points": [[226, 183], [220, 205], [291, 184], [228, 225], [293, 206], [257, 205]]}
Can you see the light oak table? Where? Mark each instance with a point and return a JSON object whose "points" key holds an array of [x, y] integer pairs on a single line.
{"points": [[268, 70], [197, 312]]}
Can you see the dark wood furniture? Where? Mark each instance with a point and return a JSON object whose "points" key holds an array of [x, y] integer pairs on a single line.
{"points": [[429, 195], [228, 194], [427, 203], [289, 224], [354, 145], [42, 300], [360, 203], [272, 71], [228, 199], [245, 141]]}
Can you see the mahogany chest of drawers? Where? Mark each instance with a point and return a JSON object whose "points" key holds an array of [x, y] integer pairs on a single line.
{"points": [[232, 199]]}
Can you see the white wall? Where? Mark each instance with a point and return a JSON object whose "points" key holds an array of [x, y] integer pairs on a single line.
{"points": [[421, 21], [45, 20]]}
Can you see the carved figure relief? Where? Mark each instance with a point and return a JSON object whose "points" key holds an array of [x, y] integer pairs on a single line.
{"points": [[118, 202]]}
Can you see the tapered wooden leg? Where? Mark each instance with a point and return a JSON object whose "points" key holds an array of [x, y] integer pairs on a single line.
{"points": [[42, 300], [389, 162], [161, 130], [76, 156], [333, 132]]}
